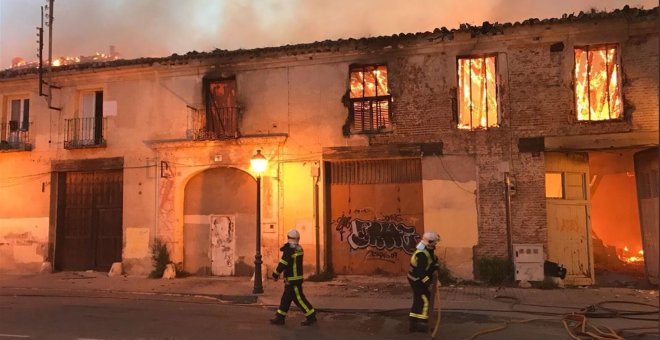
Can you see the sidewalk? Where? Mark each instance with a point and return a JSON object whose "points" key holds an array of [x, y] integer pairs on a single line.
{"points": [[348, 294]]}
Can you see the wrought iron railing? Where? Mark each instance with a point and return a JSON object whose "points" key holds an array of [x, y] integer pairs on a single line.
{"points": [[218, 123], [84, 132], [15, 137]]}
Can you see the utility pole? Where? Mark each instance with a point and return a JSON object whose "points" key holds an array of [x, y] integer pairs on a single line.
{"points": [[49, 23], [40, 52]]}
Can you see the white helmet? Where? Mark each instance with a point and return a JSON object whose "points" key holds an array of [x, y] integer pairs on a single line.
{"points": [[294, 236], [430, 239]]}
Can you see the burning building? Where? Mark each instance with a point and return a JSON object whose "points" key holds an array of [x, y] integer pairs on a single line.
{"points": [[541, 133]]}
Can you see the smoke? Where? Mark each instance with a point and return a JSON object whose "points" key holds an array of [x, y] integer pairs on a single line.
{"points": [[161, 27]]}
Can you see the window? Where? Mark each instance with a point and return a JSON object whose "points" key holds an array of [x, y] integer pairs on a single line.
{"points": [[477, 93], [87, 129], [19, 114], [16, 123], [369, 98], [220, 119], [597, 90], [565, 185], [554, 185]]}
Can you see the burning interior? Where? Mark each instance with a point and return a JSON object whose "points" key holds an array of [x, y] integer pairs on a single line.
{"points": [[615, 219], [477, 94], [597, 83]]}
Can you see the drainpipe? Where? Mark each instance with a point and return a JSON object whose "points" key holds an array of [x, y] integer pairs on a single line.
{"points": [[315, 175], [509, 190]]}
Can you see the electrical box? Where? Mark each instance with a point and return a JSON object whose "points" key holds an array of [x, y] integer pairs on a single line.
{"points": [[528, 262], [529, 271], [528, 253]]}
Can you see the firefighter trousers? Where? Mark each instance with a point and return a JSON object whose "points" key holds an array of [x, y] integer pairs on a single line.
{"points": [[294, 293], [420, 305]]}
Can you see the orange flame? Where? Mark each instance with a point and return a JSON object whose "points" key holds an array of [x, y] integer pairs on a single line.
{"points": [[597, 92], [627, 257], [477, 93]]}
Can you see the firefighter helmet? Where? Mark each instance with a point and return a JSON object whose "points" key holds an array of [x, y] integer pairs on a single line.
{"points": [[293, 237], [430, 239]]}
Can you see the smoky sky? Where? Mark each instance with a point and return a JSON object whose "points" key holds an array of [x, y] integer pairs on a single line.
{"points": [[153, 28]]}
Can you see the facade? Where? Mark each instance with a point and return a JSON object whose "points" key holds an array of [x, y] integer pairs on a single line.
{"points": [[541, 132]]}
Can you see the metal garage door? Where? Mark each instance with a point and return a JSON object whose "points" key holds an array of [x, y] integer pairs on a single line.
{"points": [[377, 214]]}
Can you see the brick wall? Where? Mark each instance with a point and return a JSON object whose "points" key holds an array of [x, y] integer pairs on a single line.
{"points": [[536, 99]]}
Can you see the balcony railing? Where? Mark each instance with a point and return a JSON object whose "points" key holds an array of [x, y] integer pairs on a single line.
{"points": [[219, 123], [84, 132], [15, 138]]}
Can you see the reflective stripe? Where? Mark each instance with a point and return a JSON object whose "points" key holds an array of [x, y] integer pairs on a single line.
{"points": [[413, 259], [284, 262], [280, 312], [295, 264], [290, 278], [426, 278], [425, 309], [276, 272], [410, 276], [308, 311], [418, 316]]}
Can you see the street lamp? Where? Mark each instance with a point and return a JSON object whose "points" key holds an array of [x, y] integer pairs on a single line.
{"points": [[258, 163]]}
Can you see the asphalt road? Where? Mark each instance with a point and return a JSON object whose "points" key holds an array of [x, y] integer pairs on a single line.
{"points": [[126, 316]]}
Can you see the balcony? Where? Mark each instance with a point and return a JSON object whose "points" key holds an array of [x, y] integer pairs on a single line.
{"points": [[80, 133], [216, 124], [17, 138]]}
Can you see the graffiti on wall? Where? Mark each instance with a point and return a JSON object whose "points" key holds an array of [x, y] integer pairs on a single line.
{"points": [[389, 233], [382, 255]]}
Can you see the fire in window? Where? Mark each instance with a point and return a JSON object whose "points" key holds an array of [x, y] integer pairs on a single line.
{"points": [[597, 92], [370, 98], [477, 93]]}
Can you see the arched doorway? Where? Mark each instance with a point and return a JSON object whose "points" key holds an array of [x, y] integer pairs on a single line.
{"points": [[219, 223]]}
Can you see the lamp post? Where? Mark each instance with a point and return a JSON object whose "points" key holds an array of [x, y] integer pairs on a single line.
{"points": [[258, 163]]}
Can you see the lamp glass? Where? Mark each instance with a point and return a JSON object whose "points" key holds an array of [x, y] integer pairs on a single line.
{"points": [[258, 163]]}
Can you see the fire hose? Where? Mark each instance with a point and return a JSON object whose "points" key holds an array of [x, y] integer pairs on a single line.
{"points": [[436, 327]]}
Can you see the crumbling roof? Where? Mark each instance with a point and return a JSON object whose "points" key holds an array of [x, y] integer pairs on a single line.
{"points": [[327, 46]]}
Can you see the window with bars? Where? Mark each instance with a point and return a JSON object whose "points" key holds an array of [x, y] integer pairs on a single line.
{"points": [[370, 100], [597, 83], [477, 93]]}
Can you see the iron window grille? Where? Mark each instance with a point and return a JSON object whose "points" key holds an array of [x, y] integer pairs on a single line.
{"points": [[477, 93], [220, 117], [597, 83], [370, 101]]}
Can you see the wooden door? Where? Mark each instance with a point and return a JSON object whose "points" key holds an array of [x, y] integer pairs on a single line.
{"points": [[89, 229], [646, 173], [567, 206]]}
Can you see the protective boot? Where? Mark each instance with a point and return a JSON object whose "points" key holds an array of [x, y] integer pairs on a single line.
{"points": [[413, 325], [277, 320], [310, 320], [422, 326]]}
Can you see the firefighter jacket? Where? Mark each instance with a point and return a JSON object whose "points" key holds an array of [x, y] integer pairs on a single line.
{"points": [[291, 264], [422, 265]]}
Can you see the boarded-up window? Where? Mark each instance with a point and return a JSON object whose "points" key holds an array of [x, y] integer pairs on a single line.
{"points": [[477, 93], [369, 98], [597, 90]]}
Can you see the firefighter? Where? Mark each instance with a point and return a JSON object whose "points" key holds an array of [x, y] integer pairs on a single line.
{"points": [[291, 264], [423, 264]]}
